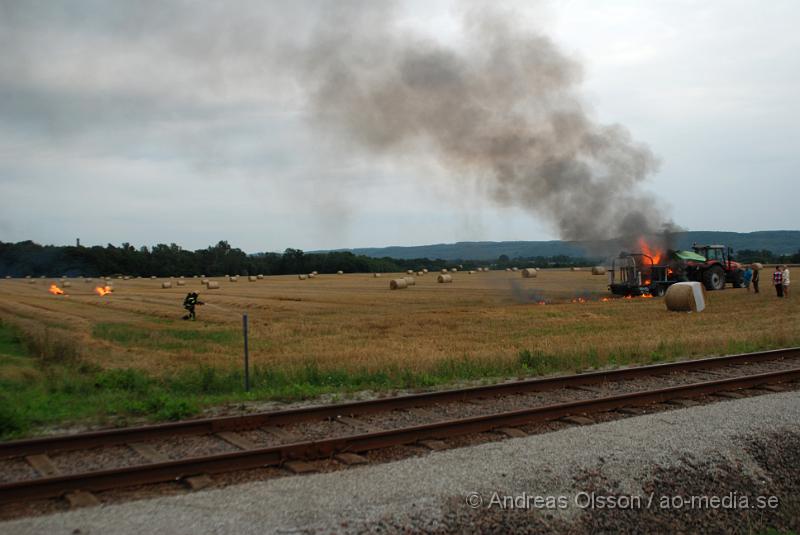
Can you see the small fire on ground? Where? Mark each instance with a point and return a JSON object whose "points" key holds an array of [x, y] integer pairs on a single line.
{"points": [[55, 290], [103, 290]]}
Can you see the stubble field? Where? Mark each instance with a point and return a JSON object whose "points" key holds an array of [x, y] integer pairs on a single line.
{"points": [[339, 333]]}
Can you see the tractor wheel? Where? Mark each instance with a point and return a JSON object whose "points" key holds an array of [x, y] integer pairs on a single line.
{"points": [[714, 278], [659, 291], [738, 279]]}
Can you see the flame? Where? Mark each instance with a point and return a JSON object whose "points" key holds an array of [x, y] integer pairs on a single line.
{"points": [[605, 300], [655, 253], [55, 290], [647, 296], [103, 290]]}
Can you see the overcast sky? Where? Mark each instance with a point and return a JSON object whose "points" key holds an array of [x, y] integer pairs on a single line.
{"points": [[158, 122]]}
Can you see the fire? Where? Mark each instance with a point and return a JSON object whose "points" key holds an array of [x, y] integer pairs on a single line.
{"points": [[605, 300], [647, 296], [654, 253], [55, 290], [103, 290]]}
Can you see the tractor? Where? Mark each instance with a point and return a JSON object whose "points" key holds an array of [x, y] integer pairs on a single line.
{"points": [[712, 265], [645, 274]]}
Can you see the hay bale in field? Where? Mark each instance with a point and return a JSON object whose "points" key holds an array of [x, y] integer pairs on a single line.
{"points": [[508, 269], [31, 281], [574, 268], [340, 272], [411, 281], [166, 284], [514, 268], [8, 277], [409, 272], [685, 297], [260, 277], [66, 284], [302, 277], [453, 270], [204, 281], [212, 285], [420, 273], [126, 277], [87, 279], [252, 278], [151, 276], [444, 270], [424, 270], [181, 283], [444, 278], [598, 270], [312, 275], [529, 273], [758, 266], [315, 273], [234, 278], [470, 272], [376, 275], [398, 284]]}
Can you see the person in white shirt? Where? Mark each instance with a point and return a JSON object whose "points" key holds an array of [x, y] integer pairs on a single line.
{"points": [[785, 281]]}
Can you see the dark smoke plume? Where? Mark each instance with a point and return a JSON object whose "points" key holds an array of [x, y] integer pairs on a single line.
{"points": [[502, 107]]}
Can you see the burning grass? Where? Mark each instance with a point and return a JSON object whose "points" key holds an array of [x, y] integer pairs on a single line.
{"points": [[341, 334]]}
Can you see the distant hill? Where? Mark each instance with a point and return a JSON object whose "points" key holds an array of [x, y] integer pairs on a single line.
{"points": [[777, 241]]}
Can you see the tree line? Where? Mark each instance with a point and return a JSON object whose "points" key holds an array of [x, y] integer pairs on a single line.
{"points": [[765, 256], [30, 258]]}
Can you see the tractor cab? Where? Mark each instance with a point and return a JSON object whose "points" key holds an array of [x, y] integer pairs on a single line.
{"points": [[715, 268]]}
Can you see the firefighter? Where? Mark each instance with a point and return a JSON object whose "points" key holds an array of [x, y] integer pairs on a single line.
{"points": [[189, 303]]}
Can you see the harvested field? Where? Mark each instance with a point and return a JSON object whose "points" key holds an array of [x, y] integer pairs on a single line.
{"points": [[354, 322]]}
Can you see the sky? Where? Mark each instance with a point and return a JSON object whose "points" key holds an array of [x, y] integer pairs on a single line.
{"points": [[193, 122]]}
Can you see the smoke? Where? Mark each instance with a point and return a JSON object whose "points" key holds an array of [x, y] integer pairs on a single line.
{"points": [[500, 108]]}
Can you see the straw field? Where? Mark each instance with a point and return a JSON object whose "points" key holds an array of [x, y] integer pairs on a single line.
{"points": [[353, 322]]}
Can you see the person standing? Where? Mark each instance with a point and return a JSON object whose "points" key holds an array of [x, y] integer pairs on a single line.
{"points": [[777, 280], [756, 277], [785, 280], [748, 276]]}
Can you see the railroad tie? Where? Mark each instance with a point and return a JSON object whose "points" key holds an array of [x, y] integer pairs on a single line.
{"points": [[237, 440], [512, 432], [577, 420], [358, 425], [46, 468], [195, 482]]}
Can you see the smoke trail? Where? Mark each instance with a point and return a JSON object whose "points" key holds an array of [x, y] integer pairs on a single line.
{"points": [[501, 108]]}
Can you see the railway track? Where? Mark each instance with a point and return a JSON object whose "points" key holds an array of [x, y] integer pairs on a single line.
{"points": [[75, 466]]}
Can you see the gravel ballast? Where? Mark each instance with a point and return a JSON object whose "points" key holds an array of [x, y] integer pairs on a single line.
{"points": [[683, 470]]}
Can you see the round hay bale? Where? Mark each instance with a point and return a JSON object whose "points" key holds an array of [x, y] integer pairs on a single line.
{"points": [[259, 277], [340, 272], [529, 273], [398, 284], [66, 284], [376, 275], [409, 272], [302, 277], [514, 268], [151, 276], [315, 273], [212, 285], [444, 271], [470, 272], [598, 270], [234, 278], [8, 277], [508, 269], [204, 281], [411, 281], [444, 278], [252, 278], [453, 270], [758, 266], [166, 284], [574, 268], [420, 273], [424, 270], [181, 283], [312, 275], [685, 297]]}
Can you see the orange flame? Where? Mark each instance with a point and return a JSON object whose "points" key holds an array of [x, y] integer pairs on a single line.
{"points": [[55, 290], [654, 253], [103, 290], [647, 296]]}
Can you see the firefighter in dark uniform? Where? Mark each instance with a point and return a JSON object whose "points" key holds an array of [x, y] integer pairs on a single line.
{"points": [[189, 303]]}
